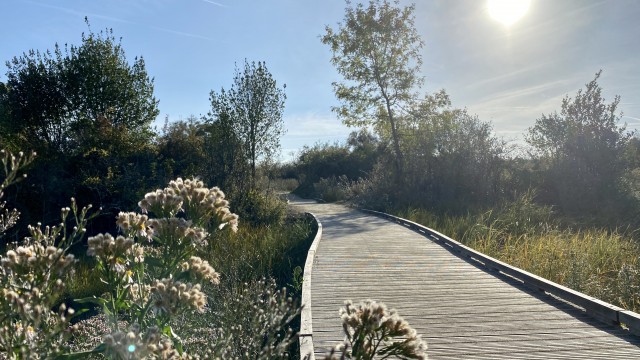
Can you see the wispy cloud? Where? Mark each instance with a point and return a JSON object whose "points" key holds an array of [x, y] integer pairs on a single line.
{"points": [[509, 98], [79, 13], [114, 19], [181, 33], [215, 3]]}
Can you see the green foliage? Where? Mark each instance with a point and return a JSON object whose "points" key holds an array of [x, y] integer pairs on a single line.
{"points": [[349, 162], [582, 148], [55, 98], [377, 50], [262, 251], [259, 208], [87, 112], [454, 160], [253, 108], [181, 149], [331, 189]]}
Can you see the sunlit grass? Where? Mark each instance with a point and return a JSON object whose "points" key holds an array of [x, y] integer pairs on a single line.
{"points": [[604, 264]]}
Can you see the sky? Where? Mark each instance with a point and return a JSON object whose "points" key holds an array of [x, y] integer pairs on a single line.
{"points": [[508, 76]]}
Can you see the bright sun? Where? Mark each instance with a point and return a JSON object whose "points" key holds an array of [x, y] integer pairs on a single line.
{"points": [[508, 11]]}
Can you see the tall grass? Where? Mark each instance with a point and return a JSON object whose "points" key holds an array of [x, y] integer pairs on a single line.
{"points": [[601, 263]]}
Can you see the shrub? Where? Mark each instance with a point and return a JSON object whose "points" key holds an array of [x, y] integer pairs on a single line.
{"points": [[259, 208], [331, 189]]}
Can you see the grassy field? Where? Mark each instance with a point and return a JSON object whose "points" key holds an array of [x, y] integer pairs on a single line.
{"points": [[601, 263]]}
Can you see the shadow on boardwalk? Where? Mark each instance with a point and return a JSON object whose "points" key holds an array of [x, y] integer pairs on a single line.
{"points": [[461, 310]]}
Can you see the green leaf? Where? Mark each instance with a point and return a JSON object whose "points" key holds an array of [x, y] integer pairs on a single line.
{"points": [[153, 261], [91, 300], [83, 354]]}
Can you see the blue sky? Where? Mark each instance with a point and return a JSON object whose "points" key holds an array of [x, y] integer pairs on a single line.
{"points": [[508, 76]]}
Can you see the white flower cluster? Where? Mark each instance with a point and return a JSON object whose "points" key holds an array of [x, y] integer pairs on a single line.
{"points": [[133, 224], [381, 330], [37, 259], [178, 231], [162, 203], [201, 268], [170, 296], [112, 251], [198, 202]]}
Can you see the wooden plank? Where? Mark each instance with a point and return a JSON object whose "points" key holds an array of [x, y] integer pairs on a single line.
{"points": [[597, 308], [461, 308]]}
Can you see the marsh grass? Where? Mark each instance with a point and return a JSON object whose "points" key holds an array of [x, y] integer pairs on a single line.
{"points": [[601, 263], [255, 252]]}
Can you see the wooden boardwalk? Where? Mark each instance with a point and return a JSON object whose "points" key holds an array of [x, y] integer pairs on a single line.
{"points": [[460, 309]]}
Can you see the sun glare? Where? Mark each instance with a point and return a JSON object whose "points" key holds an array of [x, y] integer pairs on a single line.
{"points": [[508, 11]]}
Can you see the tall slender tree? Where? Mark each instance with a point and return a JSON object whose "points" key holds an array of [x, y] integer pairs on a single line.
{"points": [[254, 104], [377, 50]]}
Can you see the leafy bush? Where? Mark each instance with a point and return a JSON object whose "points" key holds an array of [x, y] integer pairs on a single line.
{"points": [[331, 189], [259, 208]]}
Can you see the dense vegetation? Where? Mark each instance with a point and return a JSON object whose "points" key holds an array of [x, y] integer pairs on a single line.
{"points": [[563, 205], [86, 111]]}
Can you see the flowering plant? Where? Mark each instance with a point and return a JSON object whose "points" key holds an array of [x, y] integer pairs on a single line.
{"points": [[33, 276], [373, 331], [153, 270]]}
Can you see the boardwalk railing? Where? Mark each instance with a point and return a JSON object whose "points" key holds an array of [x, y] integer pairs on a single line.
{"points": [[598, 309], [595, 308], [306, 328]]}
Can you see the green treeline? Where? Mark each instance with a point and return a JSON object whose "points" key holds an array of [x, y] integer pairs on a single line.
{"points": [[564, 205], [414, 149], [87, 113]]}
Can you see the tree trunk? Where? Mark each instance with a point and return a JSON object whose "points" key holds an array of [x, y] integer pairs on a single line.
{"points": [[395, 137]]}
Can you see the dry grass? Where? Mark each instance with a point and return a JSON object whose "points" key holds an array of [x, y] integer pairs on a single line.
{"points": [[604, 264]]}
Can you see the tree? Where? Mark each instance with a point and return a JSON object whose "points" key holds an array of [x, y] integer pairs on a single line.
{"points": [[181, 149], [456, 160], [56, 98], [583, 148], [377, 51], [254, 105], [87, 112]]}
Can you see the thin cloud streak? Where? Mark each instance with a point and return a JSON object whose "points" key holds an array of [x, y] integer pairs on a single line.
{"points": [[110, 18], [215, 3], [505, 98], [181, 33], [78, 13]]}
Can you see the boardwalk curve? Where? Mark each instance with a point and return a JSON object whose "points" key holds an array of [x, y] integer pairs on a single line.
{"points": [[462, 310]]}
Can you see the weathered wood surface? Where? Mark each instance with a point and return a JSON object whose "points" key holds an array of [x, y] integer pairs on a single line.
{"points": [[462, 311]]}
